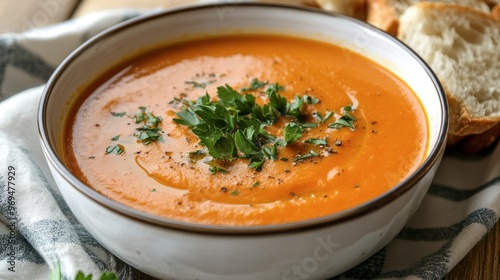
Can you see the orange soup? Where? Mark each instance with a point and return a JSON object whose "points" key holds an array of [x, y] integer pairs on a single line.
{"points": [[246, 130]]}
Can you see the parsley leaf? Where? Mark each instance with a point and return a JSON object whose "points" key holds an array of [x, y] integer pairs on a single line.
{"points": [[306, 156], [187, 117], [196, 84], [216, 167], [347, 120], [317, 142], [118, 114], [116, 149], [255, 84], [320, 118], [149, 131], [310, 100], [292, 132], [277, 101], [296, 108], [234, 125]]}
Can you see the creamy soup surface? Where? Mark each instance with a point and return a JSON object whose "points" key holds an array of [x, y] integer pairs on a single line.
{"points": [[360, 131]]}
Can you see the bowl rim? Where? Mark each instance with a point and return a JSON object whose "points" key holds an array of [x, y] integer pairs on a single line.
{"points": [[387, 197]]}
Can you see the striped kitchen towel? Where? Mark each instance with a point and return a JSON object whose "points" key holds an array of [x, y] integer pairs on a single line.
{"points": [[37, 229]]}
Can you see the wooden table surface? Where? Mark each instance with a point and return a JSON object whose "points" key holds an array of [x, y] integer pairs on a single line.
{"points": [[483, 262]]}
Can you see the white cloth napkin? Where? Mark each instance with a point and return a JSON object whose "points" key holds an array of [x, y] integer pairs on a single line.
{"points": [[37, 228]]}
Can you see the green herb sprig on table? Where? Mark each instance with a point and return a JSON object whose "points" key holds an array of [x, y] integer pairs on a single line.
{"points": [[57, 275], [234, 126]]}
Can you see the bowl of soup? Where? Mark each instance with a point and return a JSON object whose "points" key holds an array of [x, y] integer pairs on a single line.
{"points": [[243, 141]]}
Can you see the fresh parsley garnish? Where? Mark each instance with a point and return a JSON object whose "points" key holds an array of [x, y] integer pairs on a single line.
{"points": [[235, 192], [292, 132], [118, 114], [317, 142], [306, 156], [347, 120], [255, 84], [318, 116], [149, 132], [234, 126], [196, 84], [216, 167], [115, 149]]}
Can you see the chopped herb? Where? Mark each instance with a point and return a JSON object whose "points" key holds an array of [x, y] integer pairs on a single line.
{"points": [[284, 159], [307, 125], [116, 149], [255, 84], [270, 153], [115, 138], [317, 142], [306, 156], [196, 155], [215, 167], [139, 117], [320, 118], [235, 192], [292, 132], [118, 114], [146, 135], [187, 117], [234, 125], [296, 109], [149, 131], [175, 100], [346, 120], [310, 100], [196, 84], [256, 184], [348, 108], [278, 102], [153, 190]]}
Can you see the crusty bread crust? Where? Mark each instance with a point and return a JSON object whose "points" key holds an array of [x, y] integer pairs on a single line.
{"points": [[471, 129], [476, 143], [381, 14], [462, 123], [353, 8], [385, 14], [495, 12], [492, 2]]}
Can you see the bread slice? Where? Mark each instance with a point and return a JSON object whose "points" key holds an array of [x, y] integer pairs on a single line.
{"points": [[462, 46], [495, 12], [474, 144], [385, 14], [492, 2], [353, 8]]}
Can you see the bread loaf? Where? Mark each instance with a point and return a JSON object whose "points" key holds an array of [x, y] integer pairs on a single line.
{"points": [[385, 14], [353, 8], [462, 46], [495, 12]]}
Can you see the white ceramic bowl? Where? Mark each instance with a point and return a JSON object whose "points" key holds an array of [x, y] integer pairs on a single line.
{"points": [[312, 249]]}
